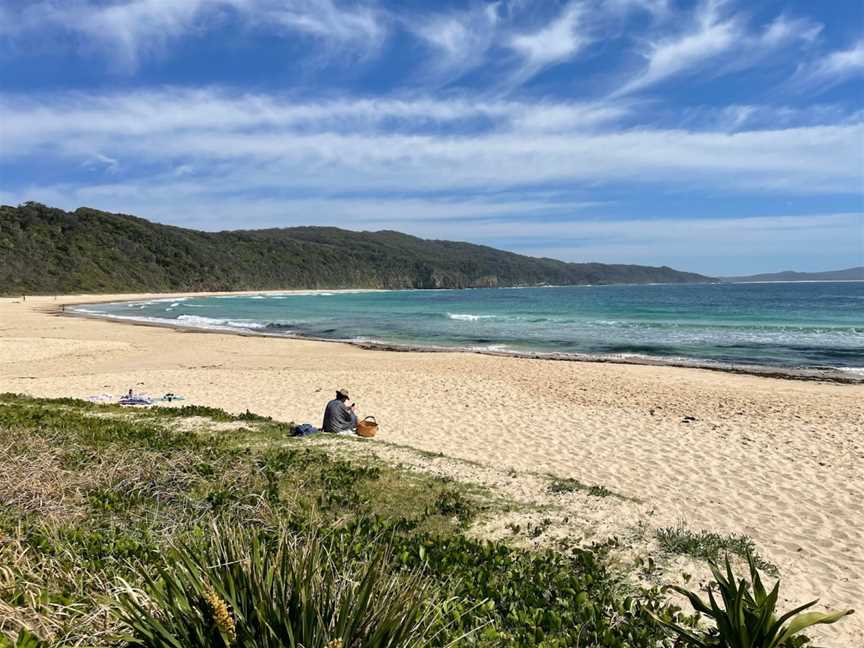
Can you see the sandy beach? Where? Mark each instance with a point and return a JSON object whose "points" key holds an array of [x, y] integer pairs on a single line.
{"points": [[778, 460]]}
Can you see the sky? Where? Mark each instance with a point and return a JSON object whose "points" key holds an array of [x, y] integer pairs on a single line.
{"points": [[717, 136]]}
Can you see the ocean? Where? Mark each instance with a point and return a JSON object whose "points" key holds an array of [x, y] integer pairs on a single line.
{"points": [[779, 325]]}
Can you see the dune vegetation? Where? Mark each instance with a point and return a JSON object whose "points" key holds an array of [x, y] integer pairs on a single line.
{"points": [[194, 527]]}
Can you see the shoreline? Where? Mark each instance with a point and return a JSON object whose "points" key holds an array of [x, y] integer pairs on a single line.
{"points": [[830, 375]]}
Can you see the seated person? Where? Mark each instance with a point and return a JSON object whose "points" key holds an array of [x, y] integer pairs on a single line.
{"points": [[338, 415]]}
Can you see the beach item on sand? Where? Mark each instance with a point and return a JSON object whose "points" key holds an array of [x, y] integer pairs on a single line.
{"points": [[100, 398], [368, 427], [304, 429], [170, 397], [136, 399]]}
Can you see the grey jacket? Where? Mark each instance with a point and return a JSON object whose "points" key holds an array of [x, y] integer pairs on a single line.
{"points": [[338, 417]]}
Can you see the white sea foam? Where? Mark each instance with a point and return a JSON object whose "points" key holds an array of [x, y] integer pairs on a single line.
{"points": [[167, 300], [246, 324], [210, 322], [136, 318], [495, 348], [468, 317], [195, 320], [855, 371]]}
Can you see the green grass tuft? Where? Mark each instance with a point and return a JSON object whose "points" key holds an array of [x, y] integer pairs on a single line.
{"points": [[559, 486], [711, 546]]}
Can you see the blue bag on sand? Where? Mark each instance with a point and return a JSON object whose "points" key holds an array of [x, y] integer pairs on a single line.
{"points": [[305, 429]]}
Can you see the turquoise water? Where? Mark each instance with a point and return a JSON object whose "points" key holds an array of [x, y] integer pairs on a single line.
{"points": [[789, 325]]}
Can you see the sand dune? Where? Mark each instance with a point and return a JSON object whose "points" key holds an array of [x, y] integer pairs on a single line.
{"points": [[779, 460]]}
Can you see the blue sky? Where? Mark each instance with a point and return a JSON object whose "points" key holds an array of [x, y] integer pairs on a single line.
{"points": [[717, 136]]}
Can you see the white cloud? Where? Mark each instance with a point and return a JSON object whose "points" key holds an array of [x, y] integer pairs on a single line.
{"points": [[557, 42], [109, 164], [30, 123], [833, 69], [767, 116], [360, 27], [460, 40], [131, 30], [266, 141], [566, 117], [721, 39], [710, 37], [784, 30]]}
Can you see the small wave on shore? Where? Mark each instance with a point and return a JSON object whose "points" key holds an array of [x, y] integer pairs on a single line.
{"points": [[210, 322], [468, 317]]}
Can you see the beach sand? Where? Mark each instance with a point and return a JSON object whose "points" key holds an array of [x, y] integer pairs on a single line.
{"points": [[781, 461]]}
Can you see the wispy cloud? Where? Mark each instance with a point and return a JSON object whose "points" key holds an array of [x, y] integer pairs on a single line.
{"points": [[266, 141], [556, 42], [130, 30], [737, 117], [460, 40], [109, 164], [785, 30], [31, 122], [834, 68], [718, 37], [133, 30], [362, 28]]}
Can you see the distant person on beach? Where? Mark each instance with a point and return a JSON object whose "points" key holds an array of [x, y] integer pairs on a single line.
{"points": [[339, 416]]}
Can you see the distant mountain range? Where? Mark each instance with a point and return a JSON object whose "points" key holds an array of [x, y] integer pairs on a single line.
{"points": [[51, 251], [849, 274]]}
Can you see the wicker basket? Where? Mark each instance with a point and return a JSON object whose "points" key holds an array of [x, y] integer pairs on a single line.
{"points": [[368, 427]]}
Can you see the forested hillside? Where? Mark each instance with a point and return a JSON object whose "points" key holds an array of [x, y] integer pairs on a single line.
{"points": [[848, 274], [47, 250]]}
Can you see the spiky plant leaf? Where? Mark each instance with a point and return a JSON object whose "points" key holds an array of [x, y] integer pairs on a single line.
{"points": [[746, 620], [240, 589], [806, 620]]}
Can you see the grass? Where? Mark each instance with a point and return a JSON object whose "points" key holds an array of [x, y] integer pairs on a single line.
{"points": [[213, 413], [711, 546], [560, 486], [95, 506]]}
